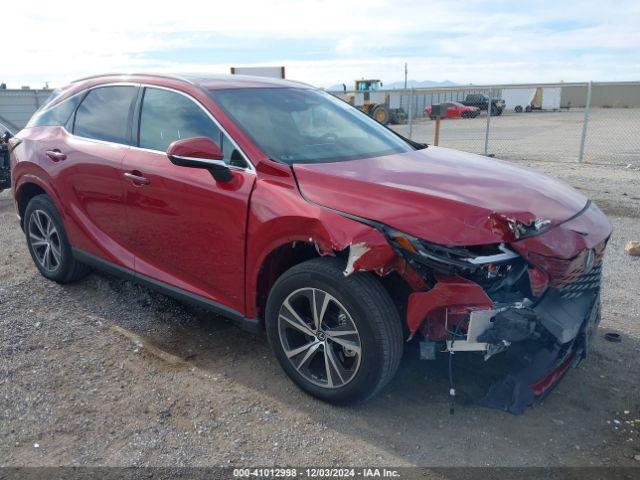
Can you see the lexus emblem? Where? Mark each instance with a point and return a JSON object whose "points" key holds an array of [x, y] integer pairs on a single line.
{"points": [[589, 260]]}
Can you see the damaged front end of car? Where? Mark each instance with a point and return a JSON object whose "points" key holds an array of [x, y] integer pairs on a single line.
{"points": [[534, 298]]}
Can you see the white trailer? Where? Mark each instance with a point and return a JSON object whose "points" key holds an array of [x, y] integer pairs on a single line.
{"points": [[527, 99], [271, 72], [518, 99], [551, 98]]}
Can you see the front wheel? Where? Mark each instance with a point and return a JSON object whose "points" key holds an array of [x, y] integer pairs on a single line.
{"points": [[338, 338]]}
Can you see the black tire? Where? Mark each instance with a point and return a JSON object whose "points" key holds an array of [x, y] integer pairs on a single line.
{"points": [[371, 311], [63, 267], [518, 109], [527, 108], [381, 114], [494, 111]]}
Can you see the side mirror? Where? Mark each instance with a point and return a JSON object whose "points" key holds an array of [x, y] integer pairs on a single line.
{"points": [[200, 152]]}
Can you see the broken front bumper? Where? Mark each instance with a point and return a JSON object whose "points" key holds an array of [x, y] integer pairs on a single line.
{"points": [[542, 339], [564, 322], [536, 366]]}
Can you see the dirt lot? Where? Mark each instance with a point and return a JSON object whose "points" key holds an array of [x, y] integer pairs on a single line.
{"points": [[78, 389]]}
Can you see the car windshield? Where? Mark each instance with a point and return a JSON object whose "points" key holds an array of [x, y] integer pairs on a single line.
{"points": [[296, 125]]}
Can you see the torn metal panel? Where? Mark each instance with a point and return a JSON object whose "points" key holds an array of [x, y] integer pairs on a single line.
{"points": [[355, 252], [563, 247], [370, 254], [515, 226]]}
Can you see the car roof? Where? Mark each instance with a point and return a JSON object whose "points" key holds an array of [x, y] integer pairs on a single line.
{"points": [[207, 81]]}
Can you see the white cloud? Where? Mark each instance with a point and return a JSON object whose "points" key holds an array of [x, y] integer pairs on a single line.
{"points": [[479, 42]]}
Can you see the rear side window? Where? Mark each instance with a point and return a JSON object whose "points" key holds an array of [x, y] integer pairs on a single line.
{"points": [[57, 115], [104, 114], [168, 116]]}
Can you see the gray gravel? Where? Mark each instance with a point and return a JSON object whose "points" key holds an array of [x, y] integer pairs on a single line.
{"points": [[87, 395]]}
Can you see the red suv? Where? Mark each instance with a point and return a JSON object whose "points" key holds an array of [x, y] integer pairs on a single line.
{"points": [[286, 209]]}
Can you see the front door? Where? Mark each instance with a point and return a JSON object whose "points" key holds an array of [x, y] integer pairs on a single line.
{"points": [[185, 229]]}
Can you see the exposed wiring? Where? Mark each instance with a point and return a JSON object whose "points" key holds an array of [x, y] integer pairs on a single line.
{"points": [[452, 390]]}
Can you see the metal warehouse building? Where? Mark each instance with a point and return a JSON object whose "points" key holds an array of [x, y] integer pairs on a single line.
{"points": [[17, 106]]}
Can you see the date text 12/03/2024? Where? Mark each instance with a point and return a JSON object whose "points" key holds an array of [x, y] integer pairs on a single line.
{"points": [[315, 473]]}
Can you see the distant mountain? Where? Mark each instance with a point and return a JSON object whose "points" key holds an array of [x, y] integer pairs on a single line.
{"points": [[396, 85]]}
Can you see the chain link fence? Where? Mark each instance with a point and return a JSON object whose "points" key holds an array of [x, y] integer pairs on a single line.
{"points": [[566, 122]]}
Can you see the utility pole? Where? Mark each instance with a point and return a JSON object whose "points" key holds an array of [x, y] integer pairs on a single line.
{"points": [[486, 134], [585, 122], [405, 75]]}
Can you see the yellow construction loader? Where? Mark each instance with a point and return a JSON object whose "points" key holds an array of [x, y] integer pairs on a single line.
{"points": [[374, 103]]}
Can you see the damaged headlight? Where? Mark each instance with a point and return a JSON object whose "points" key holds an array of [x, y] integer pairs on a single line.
{"points": [[483, 264]]}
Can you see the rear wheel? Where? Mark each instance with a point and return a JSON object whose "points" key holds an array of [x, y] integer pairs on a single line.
{"points": [[518, 109], [338, 338], [48, 243]]}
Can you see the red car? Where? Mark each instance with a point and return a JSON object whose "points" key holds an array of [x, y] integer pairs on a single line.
{"points": [[454, 110], [290, 211]]}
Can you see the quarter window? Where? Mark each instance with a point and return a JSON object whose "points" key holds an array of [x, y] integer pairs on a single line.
{"points": [[57, 115], [104, 114]]}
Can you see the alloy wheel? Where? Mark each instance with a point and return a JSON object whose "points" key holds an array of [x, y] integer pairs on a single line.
{"points": [[319, 337], [45, 240]]}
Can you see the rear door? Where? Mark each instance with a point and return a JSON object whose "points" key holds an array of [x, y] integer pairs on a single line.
{"points": [[90, 178], [185, 229]]}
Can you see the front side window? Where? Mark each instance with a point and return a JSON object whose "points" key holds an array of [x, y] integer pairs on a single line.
{"points": [[104, 114], [168, 116], [296, 125]]}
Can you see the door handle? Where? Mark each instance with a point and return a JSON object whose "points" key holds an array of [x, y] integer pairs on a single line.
{"points": [[55, 155], [137, 178]]}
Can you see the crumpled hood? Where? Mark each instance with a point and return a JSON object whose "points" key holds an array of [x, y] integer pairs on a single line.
{"points": [[438, 194]]}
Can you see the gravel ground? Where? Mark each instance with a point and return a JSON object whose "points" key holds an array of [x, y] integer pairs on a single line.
{"points": [[612, 135], [77, 387]]}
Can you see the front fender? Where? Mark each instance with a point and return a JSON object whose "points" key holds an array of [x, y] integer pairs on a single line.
{"points": [[279, 215]]}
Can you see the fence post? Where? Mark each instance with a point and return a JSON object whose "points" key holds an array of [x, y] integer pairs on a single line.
{"points": [[410, 113], [486, 133], [587, 108]]}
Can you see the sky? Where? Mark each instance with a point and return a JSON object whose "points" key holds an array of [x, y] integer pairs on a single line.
{"points": [[324, 42]]}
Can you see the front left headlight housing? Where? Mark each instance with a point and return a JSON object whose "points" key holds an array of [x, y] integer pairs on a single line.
{"points": [[485, 264]]}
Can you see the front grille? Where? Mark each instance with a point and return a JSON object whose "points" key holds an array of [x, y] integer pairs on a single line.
{"points": [[585, 283]]}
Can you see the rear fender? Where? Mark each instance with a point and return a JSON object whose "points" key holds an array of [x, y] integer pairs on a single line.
{"points": [[36, 176]]}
